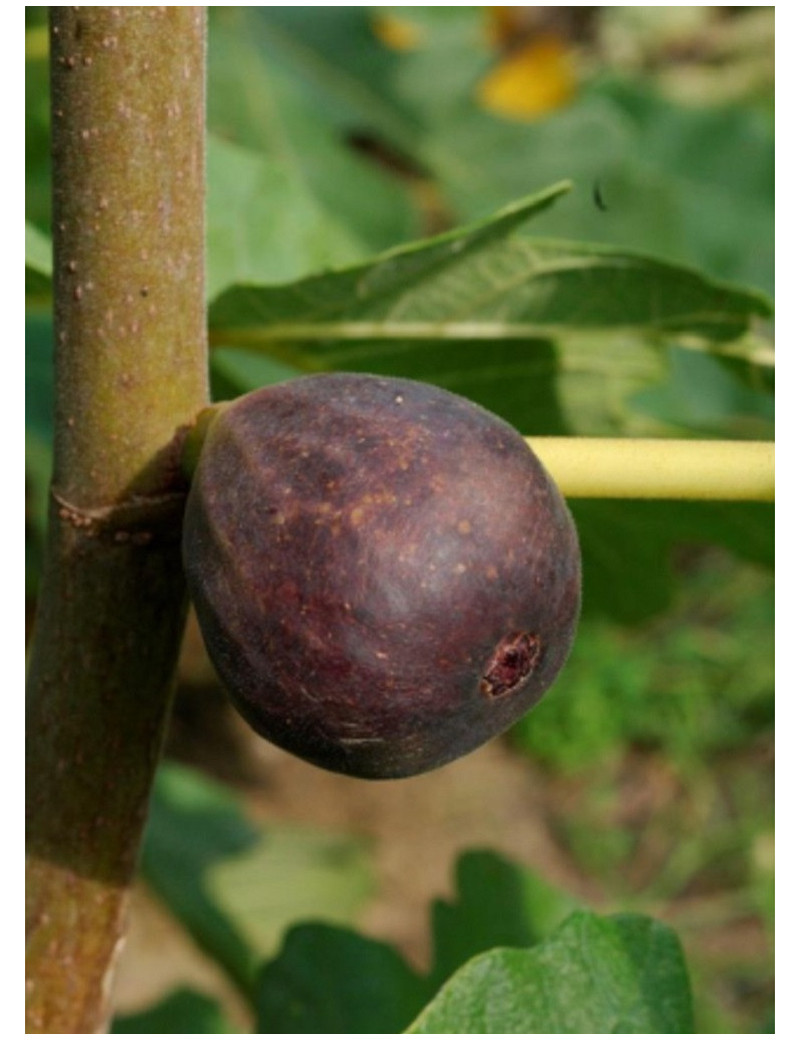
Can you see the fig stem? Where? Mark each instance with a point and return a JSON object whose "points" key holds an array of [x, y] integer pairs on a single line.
{"points": [[196, 435], [597, 467]]}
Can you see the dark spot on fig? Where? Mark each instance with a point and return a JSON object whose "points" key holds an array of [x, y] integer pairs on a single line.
{"points": [[512, 664], [384, 574]]}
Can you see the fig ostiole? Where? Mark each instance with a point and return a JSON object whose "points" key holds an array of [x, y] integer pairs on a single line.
{"points": [[384, 574]]}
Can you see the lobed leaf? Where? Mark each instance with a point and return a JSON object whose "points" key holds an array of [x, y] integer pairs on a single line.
{"points": [[497, 903], [332, 980], [623, 974], [329, 979]]}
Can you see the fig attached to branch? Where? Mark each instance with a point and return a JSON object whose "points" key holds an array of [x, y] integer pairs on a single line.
{"points": [[385, 575]]}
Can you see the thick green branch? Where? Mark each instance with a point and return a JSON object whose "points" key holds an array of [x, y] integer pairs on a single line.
{"points": [[131, 371]]}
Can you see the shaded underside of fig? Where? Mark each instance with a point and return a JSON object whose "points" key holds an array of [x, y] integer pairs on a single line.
{"points": [[384, 574]]}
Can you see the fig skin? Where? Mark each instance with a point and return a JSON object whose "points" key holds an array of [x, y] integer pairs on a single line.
{"points": [[384, 574]]}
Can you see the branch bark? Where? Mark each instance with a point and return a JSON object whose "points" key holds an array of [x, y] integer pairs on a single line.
{"points": [[128, 115]]}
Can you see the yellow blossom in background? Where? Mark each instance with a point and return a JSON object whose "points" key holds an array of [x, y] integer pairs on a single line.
{"points": [[396, 33], [531, 80]]}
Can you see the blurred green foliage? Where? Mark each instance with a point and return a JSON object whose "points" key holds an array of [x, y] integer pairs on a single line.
{"points": [[694, 683]]}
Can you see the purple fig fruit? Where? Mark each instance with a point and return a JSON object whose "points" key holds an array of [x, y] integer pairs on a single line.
{"points": [[384, 574]]}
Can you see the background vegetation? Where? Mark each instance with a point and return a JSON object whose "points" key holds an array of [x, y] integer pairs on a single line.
{"points": [[644, 781]]}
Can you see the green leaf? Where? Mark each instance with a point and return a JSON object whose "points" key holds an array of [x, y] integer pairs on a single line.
{"points": [[332, 980], [38, 251], [235, 372], [623, 974], [497, 903], [38, 264], [373, 290], [39, 398], [39, 408], [39, 381], [690, 184], [263, 223], [480, 283], [714, 397], [312, 874], [208, 862], [481, 160], [37, 124], [336, 59], [473, 370], [182, 1011], [693, 186], [194, 823], [719, 164], [593, 974], [328, 979], [256, 102], [628, 546]]}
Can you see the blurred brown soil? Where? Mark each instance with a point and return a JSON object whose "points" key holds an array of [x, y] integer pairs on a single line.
{"points": [[417, 828]]}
